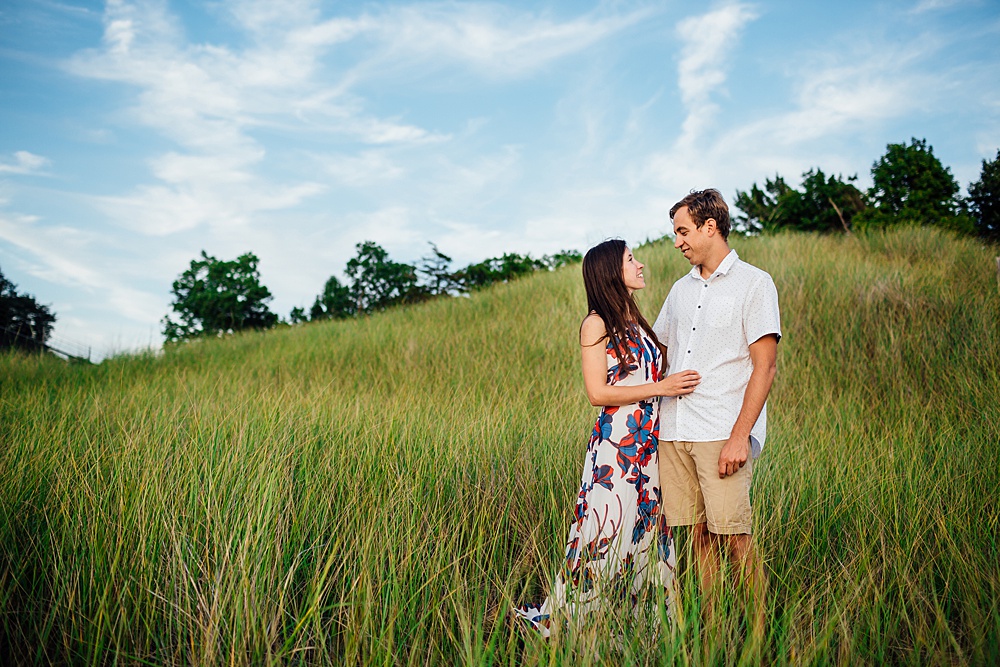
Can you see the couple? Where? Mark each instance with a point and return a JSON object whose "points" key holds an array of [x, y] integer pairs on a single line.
{"points": [[676, 448]]}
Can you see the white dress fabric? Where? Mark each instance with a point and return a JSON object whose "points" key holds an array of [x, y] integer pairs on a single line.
{"points": [[614, 548]]}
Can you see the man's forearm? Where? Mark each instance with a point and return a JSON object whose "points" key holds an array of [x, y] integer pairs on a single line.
{"points": [[754, 398]]}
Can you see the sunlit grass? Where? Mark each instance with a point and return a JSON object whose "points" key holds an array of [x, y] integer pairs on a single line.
{"points": [[380, 491]]}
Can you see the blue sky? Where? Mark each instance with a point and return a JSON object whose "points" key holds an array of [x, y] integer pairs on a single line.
{"points": [[133, 135]]}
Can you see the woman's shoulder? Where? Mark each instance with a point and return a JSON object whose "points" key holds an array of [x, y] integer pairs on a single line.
{"points": [[592, 329]]}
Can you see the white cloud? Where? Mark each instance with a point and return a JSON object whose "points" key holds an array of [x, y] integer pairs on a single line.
{"points": [[844, 94], [227, 199], [24, 163], [298, 75], [492, 38], [58, 254], [933, 5], [364, 169], [265, 16], [869, 86], [706, 42], [833, 101]]}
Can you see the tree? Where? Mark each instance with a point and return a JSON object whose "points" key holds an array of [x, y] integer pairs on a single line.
{"points": [[498, 269], [824, 204], [215, 297], [760, 208], [984, 200], [909, 184], [436, 268], [377, 282], [25, 324], [562, 258], [335, 302]]}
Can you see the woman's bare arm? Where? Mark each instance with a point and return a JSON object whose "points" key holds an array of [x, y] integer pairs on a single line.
{"points": [[595, 372]]}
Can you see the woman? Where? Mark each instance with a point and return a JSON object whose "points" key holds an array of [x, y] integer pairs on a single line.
{"points": [[612, 541]]}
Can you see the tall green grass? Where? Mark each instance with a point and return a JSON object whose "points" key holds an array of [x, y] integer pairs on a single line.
{"points": [[380, 491]]}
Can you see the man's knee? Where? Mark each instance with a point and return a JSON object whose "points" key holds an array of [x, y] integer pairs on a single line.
{"points": [[740, 546], [701, 535]]}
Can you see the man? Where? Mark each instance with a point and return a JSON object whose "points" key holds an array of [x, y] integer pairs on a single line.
{"points": [[721, 319]]}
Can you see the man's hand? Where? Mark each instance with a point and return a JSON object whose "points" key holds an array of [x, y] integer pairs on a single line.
{"points": [[763, 355], [734, 456]]}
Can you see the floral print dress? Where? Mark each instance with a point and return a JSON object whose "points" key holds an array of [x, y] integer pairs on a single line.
{"points": [[614, 549]]}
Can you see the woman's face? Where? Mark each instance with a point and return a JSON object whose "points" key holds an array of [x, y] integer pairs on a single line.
{"points": [[632, 272]]}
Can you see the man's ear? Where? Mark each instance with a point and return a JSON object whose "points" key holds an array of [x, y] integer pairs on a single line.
{"points": [[711, 227]]}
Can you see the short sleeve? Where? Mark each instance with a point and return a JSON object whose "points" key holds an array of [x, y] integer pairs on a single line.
{"points": [[660, 325], [760, 311]]}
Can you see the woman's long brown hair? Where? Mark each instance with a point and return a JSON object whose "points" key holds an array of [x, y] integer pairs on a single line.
{"points": [[608, 296]]}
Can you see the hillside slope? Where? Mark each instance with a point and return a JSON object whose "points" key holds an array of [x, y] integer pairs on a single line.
{"points": [[381, 490]]}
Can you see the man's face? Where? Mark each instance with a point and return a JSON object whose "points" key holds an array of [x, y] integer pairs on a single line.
{"points": [[692, 241]]}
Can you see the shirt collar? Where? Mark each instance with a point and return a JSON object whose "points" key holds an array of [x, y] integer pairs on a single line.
{"points": [[724, 266]]}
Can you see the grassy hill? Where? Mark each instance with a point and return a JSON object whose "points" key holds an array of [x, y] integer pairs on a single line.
{"points": [[379, 491]]}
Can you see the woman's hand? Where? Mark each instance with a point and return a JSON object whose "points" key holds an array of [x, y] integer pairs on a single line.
{"points": [[678, 384]]}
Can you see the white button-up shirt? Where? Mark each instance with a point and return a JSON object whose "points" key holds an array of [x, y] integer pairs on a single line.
{"points": [[708, 326]]}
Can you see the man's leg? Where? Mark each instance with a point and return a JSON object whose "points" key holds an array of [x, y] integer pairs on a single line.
{"points": [[708, 556], [726, 535], [751, 582]]}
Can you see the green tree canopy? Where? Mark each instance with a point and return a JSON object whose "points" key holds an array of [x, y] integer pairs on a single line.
{"points": [[824, 204], [909, 184], [25, 324], [335, 302], [377, 282], [984, 200], [215, 297], [760, 207], [562, 258], [498, 269], [436, 269]]}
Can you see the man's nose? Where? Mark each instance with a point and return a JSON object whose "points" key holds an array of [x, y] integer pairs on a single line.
{"points": [[677, 242]]}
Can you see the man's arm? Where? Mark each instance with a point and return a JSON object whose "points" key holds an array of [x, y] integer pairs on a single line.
{"points": [[764, 355]]}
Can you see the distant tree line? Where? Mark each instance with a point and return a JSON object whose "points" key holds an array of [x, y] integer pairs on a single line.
{"points": [[25, 324], [215, 297], [909, 185]]}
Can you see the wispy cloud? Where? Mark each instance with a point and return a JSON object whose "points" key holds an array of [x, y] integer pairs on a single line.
{"points": [[206, 99], [842, 92], [211, 100], [706, 43], [492, 38], [934, 5], [58, 253], [834, 99], [366, 168], [23, 163], [836, 94]]}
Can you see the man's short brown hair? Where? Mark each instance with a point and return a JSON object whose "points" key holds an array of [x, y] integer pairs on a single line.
{"points": [[705, 204]]}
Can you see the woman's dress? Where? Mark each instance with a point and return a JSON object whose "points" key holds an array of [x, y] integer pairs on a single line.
{"points": [[614, 549]]}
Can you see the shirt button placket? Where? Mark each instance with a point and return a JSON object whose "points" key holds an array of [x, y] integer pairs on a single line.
{"points": [[694, 327]]}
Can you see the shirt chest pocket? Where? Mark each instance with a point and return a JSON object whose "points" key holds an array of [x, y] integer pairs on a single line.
{"points": [[721, 311]]}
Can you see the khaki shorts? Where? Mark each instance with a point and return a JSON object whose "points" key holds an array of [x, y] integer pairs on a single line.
{"points": [[693, 493]]}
